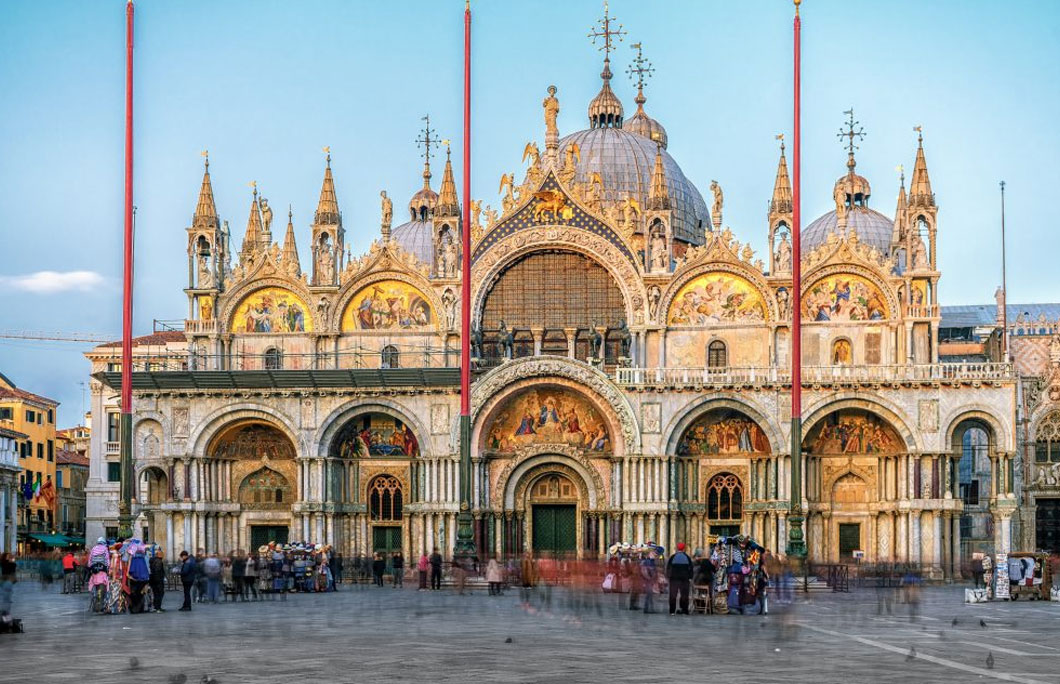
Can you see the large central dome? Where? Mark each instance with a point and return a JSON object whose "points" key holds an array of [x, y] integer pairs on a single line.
{"points": [[625, 162]]}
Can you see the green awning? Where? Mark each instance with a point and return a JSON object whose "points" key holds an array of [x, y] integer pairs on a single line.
{"points": [[52, 539]]}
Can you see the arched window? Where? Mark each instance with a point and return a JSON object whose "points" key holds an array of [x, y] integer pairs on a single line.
{"points": [[273, 359], [391, 357], [972, 439], [717, 355], [1047, 447], [384, 498], [724, 498]]}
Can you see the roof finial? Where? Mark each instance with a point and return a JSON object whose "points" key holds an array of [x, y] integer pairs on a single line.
{"points": [[919, 135], [327, 150], [206, 155], [797, 3], [608, 34], [901, 174], [426, 139], [639, 70], [780, 137], [853, 130]]}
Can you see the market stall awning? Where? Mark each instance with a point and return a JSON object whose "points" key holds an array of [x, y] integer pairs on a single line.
{"points": [[51, 539]]}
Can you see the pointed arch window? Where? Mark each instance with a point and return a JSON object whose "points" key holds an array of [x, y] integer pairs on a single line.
{"points": [[384, 498], [724, 498]]}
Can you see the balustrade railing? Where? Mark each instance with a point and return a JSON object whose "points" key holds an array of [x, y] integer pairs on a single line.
{"points": [[756, 375]]}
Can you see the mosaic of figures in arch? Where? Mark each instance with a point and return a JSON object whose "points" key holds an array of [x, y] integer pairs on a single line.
{"points": [[853, 431], [272, 310], [724, 431], [844, 297], [375, 434], [253, 441], [548, 415], [265, 486], [717, 298], [387, 305]]}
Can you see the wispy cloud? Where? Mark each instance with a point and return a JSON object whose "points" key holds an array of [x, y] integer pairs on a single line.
{"points": [[52, 282]]}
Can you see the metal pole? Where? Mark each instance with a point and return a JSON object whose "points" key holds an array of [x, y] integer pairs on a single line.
{"points": [[465, 535], [125, 518], [796, 541], [1004, 283]]}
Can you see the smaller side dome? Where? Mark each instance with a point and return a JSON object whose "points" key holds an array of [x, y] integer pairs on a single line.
{"points": [[421, 206], [642, 124]]}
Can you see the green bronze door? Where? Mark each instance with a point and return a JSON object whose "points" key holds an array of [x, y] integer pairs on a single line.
{"points": [[849, 539], [263, 534], [386, 540], [555, 528]]}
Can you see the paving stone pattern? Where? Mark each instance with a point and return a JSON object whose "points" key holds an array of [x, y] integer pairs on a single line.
{"points": [[383, 634]]}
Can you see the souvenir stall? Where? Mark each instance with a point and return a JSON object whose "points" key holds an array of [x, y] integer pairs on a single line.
{"points": [[740, 580], [623, 561]]}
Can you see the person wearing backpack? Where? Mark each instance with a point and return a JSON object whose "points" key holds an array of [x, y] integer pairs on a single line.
{"points": [[139, 576], [679, 572]]}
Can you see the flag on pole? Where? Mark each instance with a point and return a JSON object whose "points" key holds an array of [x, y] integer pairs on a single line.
{"points": [[36, 489], [48, 492], [27, 490]]}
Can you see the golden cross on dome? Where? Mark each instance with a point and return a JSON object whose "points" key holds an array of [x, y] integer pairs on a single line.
{"points": [[427, 138], [640, 68], [853, 130], [606, 32]]}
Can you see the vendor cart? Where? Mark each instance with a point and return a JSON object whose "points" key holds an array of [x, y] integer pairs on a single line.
{"points": [[1029, 575]]}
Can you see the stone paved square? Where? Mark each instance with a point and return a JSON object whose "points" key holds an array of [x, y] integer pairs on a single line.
{"points": [[368, 634]]}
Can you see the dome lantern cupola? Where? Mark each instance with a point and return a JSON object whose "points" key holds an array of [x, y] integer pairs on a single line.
{"points": [[605, 110]]}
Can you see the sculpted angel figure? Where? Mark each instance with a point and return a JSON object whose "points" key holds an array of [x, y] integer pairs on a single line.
{"points": [[508, 188], [531, 152], [476, 214]]}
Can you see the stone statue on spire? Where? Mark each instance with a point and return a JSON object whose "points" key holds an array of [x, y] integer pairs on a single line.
{"points": [[551, 106], [719, 200], [388, 212]]}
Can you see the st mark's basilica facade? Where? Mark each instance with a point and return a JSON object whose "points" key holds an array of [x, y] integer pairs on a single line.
{"points": [[632, 375]]}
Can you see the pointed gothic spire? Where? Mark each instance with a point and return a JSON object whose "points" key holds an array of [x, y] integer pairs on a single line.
{"points": [[781, 202], [252, 236], [290, 249], [659, 193], [448, 204], [920, 194], [205, 210], [900, 211], [328, 207]]}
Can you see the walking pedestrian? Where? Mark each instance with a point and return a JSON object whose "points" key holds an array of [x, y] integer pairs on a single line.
{"points": [[200, 576], [648, 577], [188, 573], [423, 567], [436, 569], [250, 576], [528, 581], [157, 568], [397, 562], [212, 572], [69, 572], [239, 571], [679, 574]]}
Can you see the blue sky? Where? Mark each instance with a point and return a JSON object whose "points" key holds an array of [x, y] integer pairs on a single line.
{"points": [[266, 84]]}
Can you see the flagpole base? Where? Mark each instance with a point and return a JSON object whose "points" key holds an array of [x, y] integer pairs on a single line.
{"points": [[465, 533]]}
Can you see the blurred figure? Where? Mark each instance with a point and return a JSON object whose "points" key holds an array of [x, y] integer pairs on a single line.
{"points": [[378, 568], [239, 573], [679, 573], [494, 577], [212, 573], [423, 567], [69, 572], [397, 563], [911, 586], [436, 570], [157, 570], [188, 573], [200, 576], [648, 576], [250, 576], [528, 580], [459, 574]]}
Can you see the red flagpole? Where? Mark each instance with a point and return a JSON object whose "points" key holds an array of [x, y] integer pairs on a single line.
{"points": [[465, 285], [125, 504], [796, 541], [465, 533]]}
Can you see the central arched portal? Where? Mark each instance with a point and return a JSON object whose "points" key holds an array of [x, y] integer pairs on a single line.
{"points": [[553, 501]]}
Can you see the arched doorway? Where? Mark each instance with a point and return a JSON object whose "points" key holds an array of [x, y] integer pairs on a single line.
{"points": [[553, 500], [725, 462], [973, 445], [153, 492], [385, 510], [251, 463], [849, 450]]}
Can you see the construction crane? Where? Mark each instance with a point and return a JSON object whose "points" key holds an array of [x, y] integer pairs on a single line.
{"points": [[45, 336]]}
